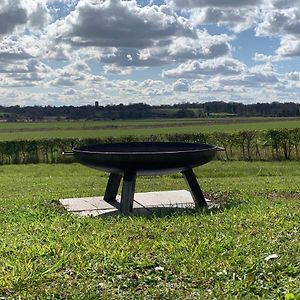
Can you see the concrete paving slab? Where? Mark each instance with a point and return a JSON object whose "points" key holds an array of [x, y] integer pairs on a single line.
{"points": [[144, 203]]}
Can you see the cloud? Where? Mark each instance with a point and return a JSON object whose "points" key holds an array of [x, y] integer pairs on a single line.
{"points": [[268, 17], [262, 75], [152, 88], [181, 85], [205, 46], [280, 22], [11, 50], [289, 47], [70, 92], [281, 4], [18, 67], [267, 58], [283, 23], [197, 69], [122, 34], [116, 70], [31, 14], [240, 83], [26, 73], [236, 19], [74, 74], [11, 15], [214, 3], [181, 49], [39, 16], [114, 23], [294, 76], [128, 57], [225, 4]]}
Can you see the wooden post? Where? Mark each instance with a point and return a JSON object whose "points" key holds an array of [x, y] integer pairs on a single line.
{"points": [[127, 192], [194, 187], [112, 187]]}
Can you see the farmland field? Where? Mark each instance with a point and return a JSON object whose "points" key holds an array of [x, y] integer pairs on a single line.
{"points": [[46, 253], [93, 129]]}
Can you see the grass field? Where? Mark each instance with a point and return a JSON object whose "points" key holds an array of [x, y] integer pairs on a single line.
{"points": [[73, 129], [46, 253]]}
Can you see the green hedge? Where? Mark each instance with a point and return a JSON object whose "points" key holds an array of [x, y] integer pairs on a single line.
{"points": [[281, 144]]}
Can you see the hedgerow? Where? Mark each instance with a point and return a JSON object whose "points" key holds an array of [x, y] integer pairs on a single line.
{"points": [[275, 144]]}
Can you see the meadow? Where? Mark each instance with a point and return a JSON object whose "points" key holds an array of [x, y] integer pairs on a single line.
{"points": [[46, 253], [117, 128]]}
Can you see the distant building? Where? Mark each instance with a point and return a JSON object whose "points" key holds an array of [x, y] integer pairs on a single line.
{"points": [[96, 104]]}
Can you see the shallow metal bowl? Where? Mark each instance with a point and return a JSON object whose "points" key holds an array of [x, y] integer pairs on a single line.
{"points": [[145, 158]]}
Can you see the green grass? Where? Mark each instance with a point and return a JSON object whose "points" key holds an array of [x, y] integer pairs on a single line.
{"points": [[46, 253], [72, 129]]}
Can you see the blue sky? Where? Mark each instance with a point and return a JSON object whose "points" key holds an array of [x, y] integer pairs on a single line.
{"points": [[75, 52]]}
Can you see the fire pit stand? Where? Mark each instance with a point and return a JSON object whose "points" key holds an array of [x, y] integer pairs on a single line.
{"points": [[128, 188], [128, 160]]}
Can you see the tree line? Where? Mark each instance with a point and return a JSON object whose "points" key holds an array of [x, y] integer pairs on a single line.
{"points": [[279, 144], [142, 110]]}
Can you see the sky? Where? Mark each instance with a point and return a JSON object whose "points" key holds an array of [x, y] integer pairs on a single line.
{"points": [[76, 52]]}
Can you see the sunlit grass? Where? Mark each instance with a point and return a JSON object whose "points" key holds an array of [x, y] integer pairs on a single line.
{"points": [[46, 253]]}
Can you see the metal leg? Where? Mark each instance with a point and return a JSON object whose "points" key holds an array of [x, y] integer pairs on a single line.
{"points": [[194, 187], [127, 192], [112, 187]]}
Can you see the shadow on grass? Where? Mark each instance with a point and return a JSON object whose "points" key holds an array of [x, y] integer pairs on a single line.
{"points": [[218, 203], [163, 212]]}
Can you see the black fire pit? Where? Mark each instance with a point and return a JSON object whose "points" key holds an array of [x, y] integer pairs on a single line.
{"points": [[128, 160]]}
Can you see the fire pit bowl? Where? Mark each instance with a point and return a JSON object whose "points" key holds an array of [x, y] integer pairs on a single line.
{"points": [[128, 160]]}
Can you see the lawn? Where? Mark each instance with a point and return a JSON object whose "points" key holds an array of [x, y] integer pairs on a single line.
{"points": [[46, 253], [94, 129]]}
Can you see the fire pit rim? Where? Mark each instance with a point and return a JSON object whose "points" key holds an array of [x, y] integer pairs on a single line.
{"points": [[161, 152]]}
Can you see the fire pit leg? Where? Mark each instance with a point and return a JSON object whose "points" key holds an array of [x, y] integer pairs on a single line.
{"points": [[112, 187], [195, 189], [127, 192]]}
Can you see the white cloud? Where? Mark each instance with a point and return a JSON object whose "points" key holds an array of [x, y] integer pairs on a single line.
{"points": [[122, 34], [11, 15], [263, 68], [18, 67], [280, 22], [152, 88], [70, 92], [285, 24], [196, 69], [39, 15], [214, 3], [284, 3], [294, 76], [205, 46], [26, 14], [119, 24], [11, 50], [236, 19], [75, 74], [116, 70], [32, 74], [289, 46], [199, 85], [259, 57], [263, 75], [181, 85]]}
